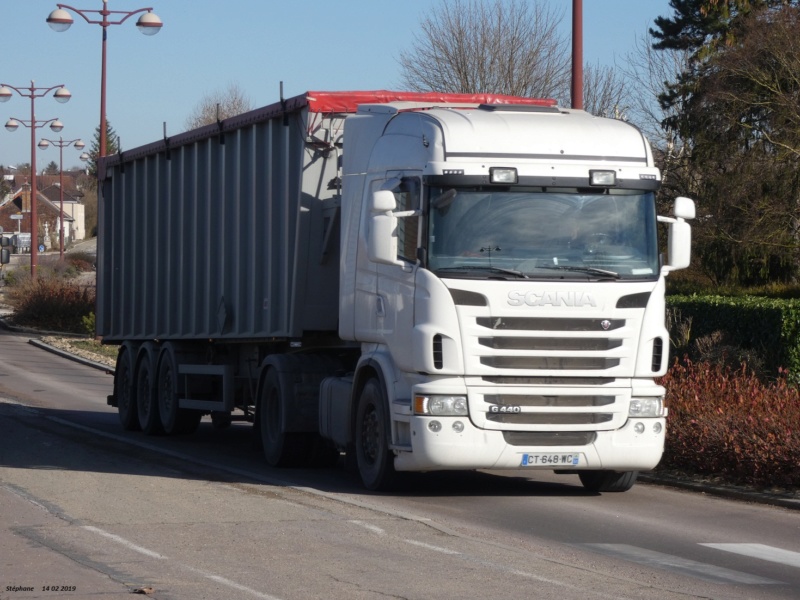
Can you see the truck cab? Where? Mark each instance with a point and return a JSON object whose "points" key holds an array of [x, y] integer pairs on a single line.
{"points": [[500, 267]]}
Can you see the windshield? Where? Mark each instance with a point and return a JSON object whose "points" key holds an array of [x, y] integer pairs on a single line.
{"points": [[542, 233]]}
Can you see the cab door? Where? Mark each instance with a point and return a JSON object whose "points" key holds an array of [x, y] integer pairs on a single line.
{"points": [[395, 317]]}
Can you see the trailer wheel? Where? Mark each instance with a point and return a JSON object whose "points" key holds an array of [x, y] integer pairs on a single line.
{"points": [[281, 448], [174, 420], [124, 393], [146, 398], [608, 481], [375, 460]]}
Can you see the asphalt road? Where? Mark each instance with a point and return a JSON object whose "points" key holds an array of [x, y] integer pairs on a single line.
{"points": [[95, 512]]}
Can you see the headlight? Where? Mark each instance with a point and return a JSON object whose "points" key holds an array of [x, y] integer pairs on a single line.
{"points": [[646, 407], [442, 406]]}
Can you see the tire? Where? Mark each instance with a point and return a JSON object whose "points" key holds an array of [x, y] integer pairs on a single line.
{"points": [[374, 459], [281, 449], [146, 398], [608, 481], [174, 420], [124, 391]]}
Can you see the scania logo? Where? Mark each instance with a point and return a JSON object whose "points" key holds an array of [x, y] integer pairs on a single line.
{"points": [[576, 299]]}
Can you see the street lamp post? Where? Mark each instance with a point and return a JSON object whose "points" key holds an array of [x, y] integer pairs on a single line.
{"points": [[148, 23], [33, 92], [61, 143]]}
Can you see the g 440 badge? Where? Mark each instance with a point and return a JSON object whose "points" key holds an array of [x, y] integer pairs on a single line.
{"points": [[504, 409]]}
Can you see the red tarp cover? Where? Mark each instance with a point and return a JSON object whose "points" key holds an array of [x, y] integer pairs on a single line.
{"points": [[346, 102]]}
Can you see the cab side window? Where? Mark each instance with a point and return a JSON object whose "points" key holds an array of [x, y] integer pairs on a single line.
{"points": [[407, 196]]}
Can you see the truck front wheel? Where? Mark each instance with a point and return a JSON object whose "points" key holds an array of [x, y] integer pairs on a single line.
{"points": [[375, 460], [608, 481]]}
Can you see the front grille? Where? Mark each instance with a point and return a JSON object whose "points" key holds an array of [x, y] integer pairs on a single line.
{"points": [[542, 418], [549, 324], [544, 400], [568, 345], [549, 438], [573, 381], [550, 362], [528, 343]]}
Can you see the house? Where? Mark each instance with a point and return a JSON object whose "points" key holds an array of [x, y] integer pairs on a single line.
{"points": [[15, 216], [15, 212]]}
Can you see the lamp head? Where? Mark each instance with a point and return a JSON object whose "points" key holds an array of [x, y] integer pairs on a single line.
{"points": [[12, 125], [56, 126], [59, 20], [5, 94], [149, 23], [62, 95], [44, 144]]}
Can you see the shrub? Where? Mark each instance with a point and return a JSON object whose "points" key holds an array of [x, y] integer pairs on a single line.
{"points": [[764, 331], [51, 303], [728, 423]]}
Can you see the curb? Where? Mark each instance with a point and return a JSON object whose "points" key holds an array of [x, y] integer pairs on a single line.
{"points": [[70, 356], [722, 491], [4, 324]]}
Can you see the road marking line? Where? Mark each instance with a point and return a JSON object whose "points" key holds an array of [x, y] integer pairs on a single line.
{"points": [[762, 551], [430, 547], [237, 586], [222, 580], [669, 562], [372, 528], [124, 542]]}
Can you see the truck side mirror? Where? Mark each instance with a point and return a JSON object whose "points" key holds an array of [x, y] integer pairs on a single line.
{"points": [[5, 256], [679, 244], [382, 236]]}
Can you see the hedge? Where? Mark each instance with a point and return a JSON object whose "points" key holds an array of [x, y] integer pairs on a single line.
{"points": [[766, 327]]}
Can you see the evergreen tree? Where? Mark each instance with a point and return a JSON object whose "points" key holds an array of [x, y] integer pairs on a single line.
{"points": [[112, 147], [737, 106]]}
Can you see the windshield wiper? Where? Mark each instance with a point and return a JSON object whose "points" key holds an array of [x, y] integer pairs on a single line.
{"points": [[512, 272], [589, 270]]}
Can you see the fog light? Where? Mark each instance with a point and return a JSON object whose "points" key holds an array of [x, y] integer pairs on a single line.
{"points": [[639, 428], [458, 427], [435, 426], [657, 428]]}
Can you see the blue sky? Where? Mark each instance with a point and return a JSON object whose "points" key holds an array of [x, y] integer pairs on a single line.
{"points": [[205, 45]]}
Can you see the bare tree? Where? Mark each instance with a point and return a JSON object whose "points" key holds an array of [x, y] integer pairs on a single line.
{"points": [[605, 92], [220, 104], [469, 46], [648, 71]]}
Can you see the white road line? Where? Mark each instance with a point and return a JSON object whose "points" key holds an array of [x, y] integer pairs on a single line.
{"points": [[124, 542], [430, 547], [372, 528], [216, 578], [237, 586], [762, 551], [685, 566]]}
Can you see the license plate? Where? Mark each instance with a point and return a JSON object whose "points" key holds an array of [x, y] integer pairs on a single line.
{"points": [[552, 459]]}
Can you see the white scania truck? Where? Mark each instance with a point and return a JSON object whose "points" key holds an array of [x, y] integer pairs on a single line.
{"points": [[423, 281]]}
